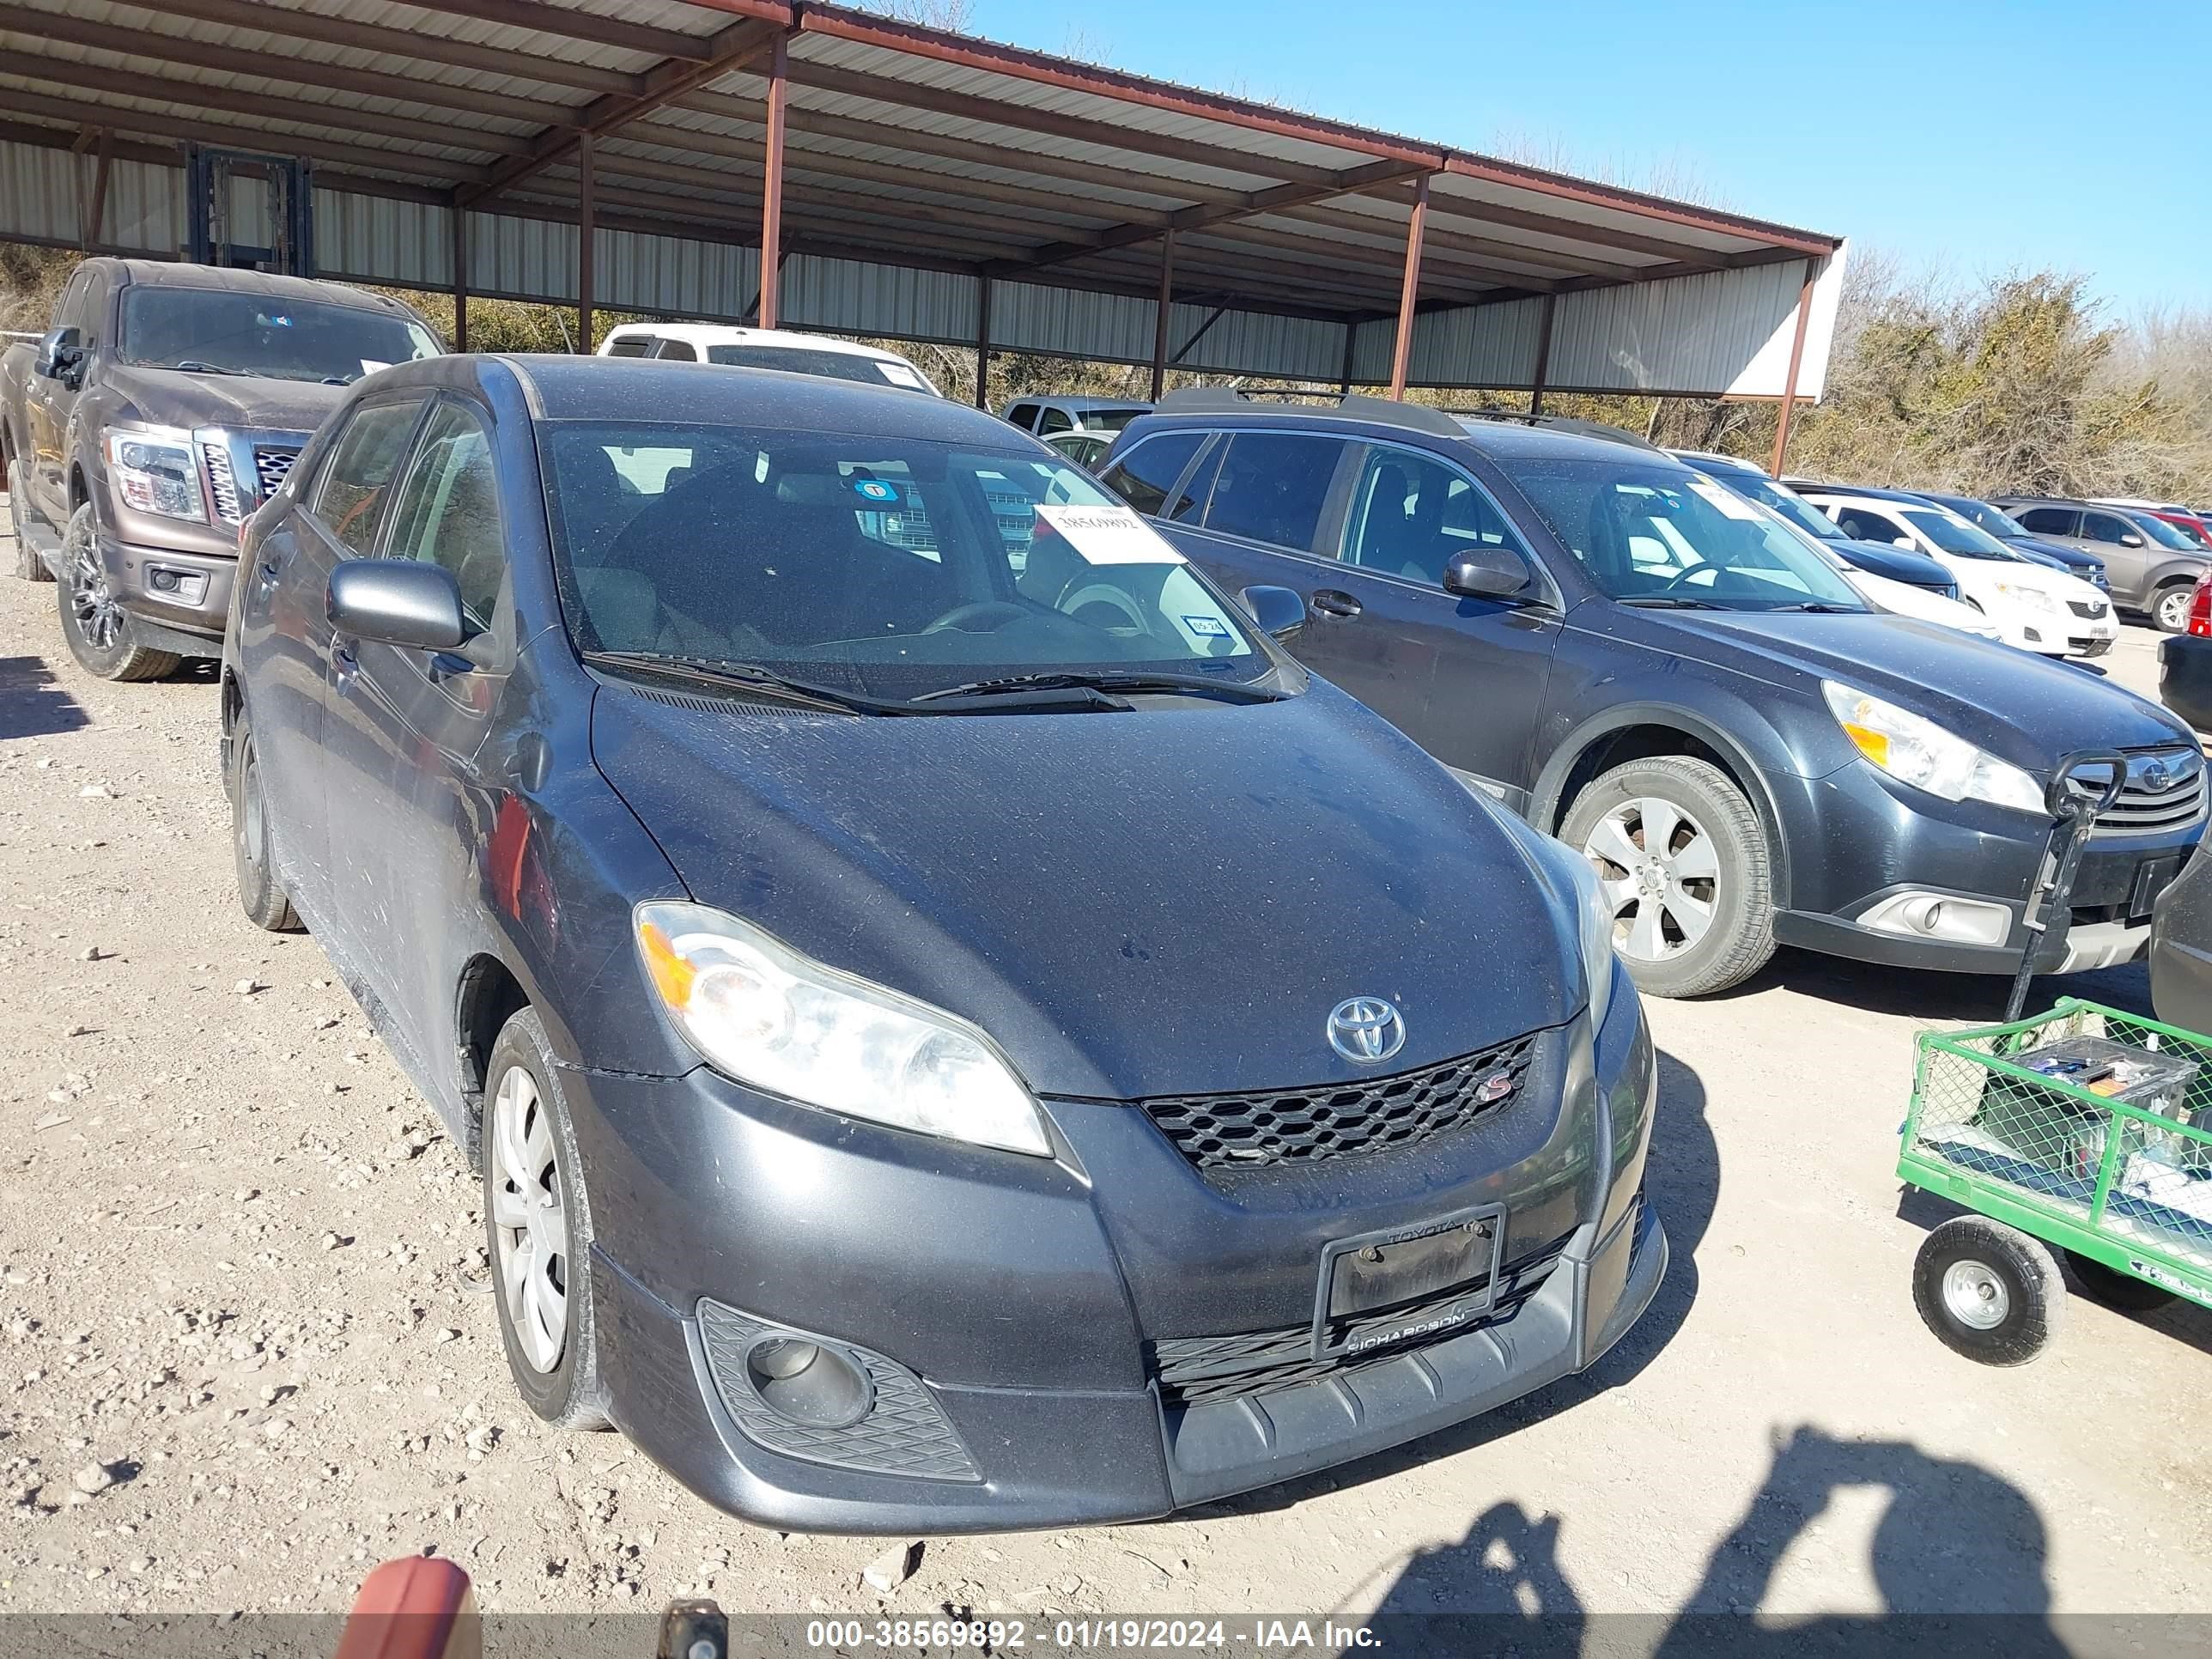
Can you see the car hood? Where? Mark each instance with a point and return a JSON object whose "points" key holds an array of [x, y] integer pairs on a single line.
{"points": [[1169, 901], [2012, 702], [171, 396], [2074, 557], [1915, 569]]}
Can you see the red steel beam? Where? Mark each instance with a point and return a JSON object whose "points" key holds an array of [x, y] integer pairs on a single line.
{"points": [[771, 250], [742, 43], [587, 238], [570, 23], [1401, 350], [983, 343], [1796, 358], [1160, 315], [1543, 355], [95, 218], [460, 277], [1562, 187]]}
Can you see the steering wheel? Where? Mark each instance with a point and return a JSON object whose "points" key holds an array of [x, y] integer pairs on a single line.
{"points": [[1119, 610], [1710, 571], [994, 614]]}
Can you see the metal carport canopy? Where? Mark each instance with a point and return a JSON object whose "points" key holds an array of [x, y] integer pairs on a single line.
{"points": [[931, 186]]}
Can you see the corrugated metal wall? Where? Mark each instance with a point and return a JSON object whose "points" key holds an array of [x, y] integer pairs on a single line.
{"points": [[43, 192], [1715, 332]]}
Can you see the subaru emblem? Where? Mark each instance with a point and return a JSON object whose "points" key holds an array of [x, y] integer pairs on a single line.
{"points": [[2156, 778], [1365, 1031]]}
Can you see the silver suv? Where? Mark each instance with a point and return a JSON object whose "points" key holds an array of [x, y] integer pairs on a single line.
{"points": [[2151, 565]]}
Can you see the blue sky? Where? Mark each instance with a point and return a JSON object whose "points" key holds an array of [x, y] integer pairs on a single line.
{"points": [[1964, 134]]}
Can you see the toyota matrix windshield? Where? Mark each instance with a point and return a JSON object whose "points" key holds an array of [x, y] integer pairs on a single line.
{"points": [[891, 568], [1656, 535]]}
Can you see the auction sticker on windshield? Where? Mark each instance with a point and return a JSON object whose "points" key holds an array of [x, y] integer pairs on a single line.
{"points": [[1109, 535]]}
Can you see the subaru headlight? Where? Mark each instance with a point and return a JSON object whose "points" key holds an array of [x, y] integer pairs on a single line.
{"points": [[154, 471], [766, 1015], [1594, 913], [1914, 750], [2033, 598]]}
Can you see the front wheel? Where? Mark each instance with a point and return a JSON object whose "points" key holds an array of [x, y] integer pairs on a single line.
{"points": [[93, 622], [1989, 1291], [2169, 609], [1683, 864], [539, 1219]]}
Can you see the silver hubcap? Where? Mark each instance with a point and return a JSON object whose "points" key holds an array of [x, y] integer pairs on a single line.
{"points": [[528, 1222], [249, 810], [2173, 610], [1976, 1298], [1660, 873], [99, 618]]}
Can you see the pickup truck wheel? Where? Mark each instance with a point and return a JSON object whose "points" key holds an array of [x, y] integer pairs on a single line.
{"points": [[95, 623], [29, 565], [1682, 859]]}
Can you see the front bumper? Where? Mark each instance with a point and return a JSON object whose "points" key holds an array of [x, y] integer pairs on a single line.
{"points": [[1017, 1305], [1879, 840], [179, 601]]}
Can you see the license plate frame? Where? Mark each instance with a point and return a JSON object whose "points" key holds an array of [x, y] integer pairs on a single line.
{"points": [[2153, 876], [1420, 1261]]}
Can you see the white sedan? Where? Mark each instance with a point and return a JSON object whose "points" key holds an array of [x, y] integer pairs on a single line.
{"points": [[2031, 604]]}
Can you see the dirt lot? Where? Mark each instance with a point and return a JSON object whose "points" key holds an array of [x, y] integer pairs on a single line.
{"points": [[242, 1356]]}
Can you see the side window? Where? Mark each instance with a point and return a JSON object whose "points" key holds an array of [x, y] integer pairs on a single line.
{"points": [[634, 345], [679, 351], [2052, 520], [447, 511], [1410, 513], [2104, 527], [92, 310], [69, 310], [1055, 420], [1024, 415], [1143, 476], [1273, 486], [1861, 525], [349, 499]]}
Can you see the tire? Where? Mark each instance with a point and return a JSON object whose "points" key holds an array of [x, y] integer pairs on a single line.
{"points": [[1987, 1290], [2169, 607], [1699, 917], [259, 893], [532, 1174], [29, 565], [2108, 1287], [97, 629]]}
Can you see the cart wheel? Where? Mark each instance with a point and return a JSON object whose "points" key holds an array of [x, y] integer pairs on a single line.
{"points": [[1987, 1290], [2109, 1287]]}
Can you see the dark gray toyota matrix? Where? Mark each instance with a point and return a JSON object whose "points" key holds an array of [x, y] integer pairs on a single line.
{"points": [[960, 1031]]}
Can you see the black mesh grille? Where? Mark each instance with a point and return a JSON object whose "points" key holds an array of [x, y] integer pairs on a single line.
{"points": [[273, 466], [1302, 1126], [1199, 1371]]}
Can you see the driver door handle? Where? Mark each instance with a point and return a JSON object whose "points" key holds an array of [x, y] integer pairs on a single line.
{"points": [[1335, 602]]}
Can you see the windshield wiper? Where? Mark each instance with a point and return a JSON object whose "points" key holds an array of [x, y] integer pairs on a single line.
{"points": [[1014, 685], [194, 366], [1671, 602], [745, 677], [1822, 608]]}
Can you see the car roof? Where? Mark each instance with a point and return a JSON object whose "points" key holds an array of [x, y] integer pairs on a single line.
{"points": [[1903, 497], [1083, 402], [654, 389], [712, 334], [223, 279], [2050, 501], [1504, 434], [1706, 460]]}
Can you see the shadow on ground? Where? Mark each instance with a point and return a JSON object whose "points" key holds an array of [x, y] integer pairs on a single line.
{"points": [[33, 704], [1916, 993], [1682, 1181], [1954, 1539]]}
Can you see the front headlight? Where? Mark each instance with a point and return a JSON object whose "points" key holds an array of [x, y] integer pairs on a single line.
{"points": [[1595, 914], [2033, 598], [766, 1015], [1913, 749], [156, 472]]}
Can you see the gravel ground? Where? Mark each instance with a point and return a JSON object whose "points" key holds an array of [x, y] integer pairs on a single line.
{"points": [[244, 1356]]}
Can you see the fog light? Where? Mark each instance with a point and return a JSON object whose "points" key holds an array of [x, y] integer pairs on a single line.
{"points": [[165, 582], [1940, 916], [808, 1382]]}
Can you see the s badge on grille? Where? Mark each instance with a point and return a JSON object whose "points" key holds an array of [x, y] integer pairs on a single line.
{"points": [[1365, 1031]]}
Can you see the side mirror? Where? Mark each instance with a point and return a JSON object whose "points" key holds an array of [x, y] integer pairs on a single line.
{"points": [[60, 349], [398, 602], [1485, 573], [1279, 611], [2131, 540]]}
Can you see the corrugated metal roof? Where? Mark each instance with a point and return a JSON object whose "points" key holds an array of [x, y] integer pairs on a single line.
{"points": [[918, 163]]}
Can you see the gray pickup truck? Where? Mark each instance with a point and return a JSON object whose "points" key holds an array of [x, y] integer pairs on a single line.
{"points": [[164, 405]]}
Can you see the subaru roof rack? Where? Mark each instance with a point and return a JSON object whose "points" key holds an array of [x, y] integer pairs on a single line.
{"points": [[1561, 423], [1228, 400]]}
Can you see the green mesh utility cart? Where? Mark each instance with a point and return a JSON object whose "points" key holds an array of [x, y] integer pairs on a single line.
{"points": [[2085, 1132]]}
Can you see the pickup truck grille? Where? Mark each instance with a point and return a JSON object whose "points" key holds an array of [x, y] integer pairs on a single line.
{"points": [[222, 482], [272, 465]]}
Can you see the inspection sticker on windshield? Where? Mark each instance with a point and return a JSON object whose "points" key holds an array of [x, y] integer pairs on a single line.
{"points": [[1729, 503], [1109, 535], [1207, 628]]}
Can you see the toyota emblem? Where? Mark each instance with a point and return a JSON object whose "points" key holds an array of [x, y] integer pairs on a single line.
{"points": [[1365, 1031]]}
